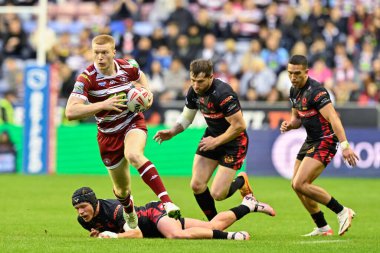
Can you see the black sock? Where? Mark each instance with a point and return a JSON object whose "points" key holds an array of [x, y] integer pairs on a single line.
{"points": [[334, 206], [240, 211], [207, 204], [319, 219], [218, 234], [235, 185]]}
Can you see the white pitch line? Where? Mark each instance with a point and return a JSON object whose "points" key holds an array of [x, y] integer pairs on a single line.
{"points": [[319, 241]]}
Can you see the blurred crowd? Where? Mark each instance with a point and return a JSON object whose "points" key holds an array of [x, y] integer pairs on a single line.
{"points": [[249, 42]]}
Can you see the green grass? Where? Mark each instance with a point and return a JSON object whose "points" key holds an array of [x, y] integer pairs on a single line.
{"points": [[37, 216]]}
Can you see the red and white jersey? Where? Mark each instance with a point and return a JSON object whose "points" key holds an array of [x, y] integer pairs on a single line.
{"points": [[92, 86]]}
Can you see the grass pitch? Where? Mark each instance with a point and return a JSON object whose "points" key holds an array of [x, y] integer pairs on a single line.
{"points": [[37, 216]]}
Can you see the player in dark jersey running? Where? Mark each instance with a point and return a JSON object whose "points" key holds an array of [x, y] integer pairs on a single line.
{"points": [[224, 143], [101, 91], [104, 219], [312, 108]]}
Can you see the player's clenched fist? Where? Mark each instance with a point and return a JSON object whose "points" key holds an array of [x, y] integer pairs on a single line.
{"points": [[285, 126]]}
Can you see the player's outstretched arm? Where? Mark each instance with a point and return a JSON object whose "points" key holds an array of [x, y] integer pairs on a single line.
{"points": [[133, 233], [165, 135], [184, 120]]}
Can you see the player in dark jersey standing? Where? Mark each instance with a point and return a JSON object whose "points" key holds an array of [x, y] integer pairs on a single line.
{"points": [[100, 91], [224, 143], [104, 219], [312, 108]]}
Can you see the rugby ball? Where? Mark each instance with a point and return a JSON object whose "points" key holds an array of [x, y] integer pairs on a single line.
{"points": [[138, 99]]}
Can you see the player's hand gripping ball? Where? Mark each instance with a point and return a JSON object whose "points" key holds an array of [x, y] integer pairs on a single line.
{"points": [[139, 99]]}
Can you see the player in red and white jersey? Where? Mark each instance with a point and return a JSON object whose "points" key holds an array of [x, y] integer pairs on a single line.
{"points": [[101, 91]]}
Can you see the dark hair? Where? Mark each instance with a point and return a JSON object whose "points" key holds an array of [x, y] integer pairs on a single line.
{"points": [[85, 194], [201, 66], [298, 60]]}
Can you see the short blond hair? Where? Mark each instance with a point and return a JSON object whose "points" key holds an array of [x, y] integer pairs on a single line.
{"points": [[104, 39]]}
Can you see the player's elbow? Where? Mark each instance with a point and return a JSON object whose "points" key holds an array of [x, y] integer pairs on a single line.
{"points": [[240, 127], [70, 115]]}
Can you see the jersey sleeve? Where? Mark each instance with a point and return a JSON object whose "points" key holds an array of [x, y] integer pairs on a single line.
{"points": [[190, 99], [134, 71], [320, 98], [81, 86], [229, 104]]}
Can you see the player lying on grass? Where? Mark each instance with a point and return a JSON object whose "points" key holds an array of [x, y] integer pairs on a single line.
{"points": [[104, 219]]}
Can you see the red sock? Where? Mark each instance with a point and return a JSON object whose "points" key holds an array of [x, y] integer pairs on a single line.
{"points": [[150, 176], [126, 202]]}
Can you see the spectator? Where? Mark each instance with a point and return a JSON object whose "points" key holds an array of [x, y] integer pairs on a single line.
{"points": [[181, 16], [164, 56], [7, 153], [227, 23], [209, 49], [204, 22], [289, 25], [194, 37], [184, 52], [319, 71], [124, 9], [15, 40], [232, 57], [157, 37], [174, 80], [370, 95], [275, 57], [255, 49], [223, 73], [144, 54], [7, 107], [249, 18], [262, 80]]}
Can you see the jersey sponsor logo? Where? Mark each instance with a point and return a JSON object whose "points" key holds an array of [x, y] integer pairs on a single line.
{"points": [[325, 101], [231, 107], [320, 94], [226, 100], [307, 114], [102, 84], [213, 115], [78, 87]]}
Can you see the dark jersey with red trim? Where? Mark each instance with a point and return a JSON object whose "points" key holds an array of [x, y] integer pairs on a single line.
{"points": [[308, 101], [219, 102], [92, 86], [110, 218]]}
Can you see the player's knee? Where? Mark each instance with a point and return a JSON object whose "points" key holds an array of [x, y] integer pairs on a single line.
{"points": [[298, 186], [218, 196], [197, 187], [121, 191], [133, 157]]}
